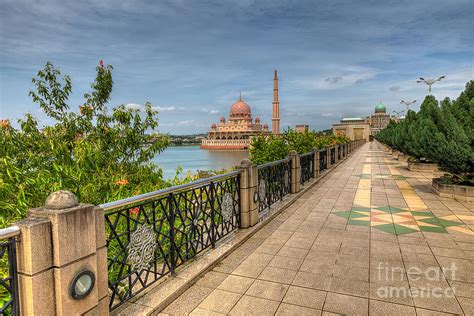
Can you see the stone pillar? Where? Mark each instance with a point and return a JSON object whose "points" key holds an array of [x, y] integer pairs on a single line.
{"points": [[316, 163], [295, 172], [248, 190], [336, 154], [328, 157], [59, 241]]}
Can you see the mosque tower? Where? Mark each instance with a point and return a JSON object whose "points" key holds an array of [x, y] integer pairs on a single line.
{"points": [[276, 107]]}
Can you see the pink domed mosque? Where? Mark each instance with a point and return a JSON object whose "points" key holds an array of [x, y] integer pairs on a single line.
{"points": [[236, 133]]}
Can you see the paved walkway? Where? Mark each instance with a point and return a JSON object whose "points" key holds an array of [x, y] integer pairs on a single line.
{"points": [[370, 238]]}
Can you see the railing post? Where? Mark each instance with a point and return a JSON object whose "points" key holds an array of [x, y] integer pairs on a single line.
{"points": [[336, 154], [248, 189], [315, 163], [60, 242], [295, 172], [328, 157]]}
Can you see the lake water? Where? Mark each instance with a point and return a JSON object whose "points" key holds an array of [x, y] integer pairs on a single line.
{"points": [[192, 158]]}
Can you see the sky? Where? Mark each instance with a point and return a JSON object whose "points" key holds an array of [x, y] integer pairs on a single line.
{"points": [[190, 59]]}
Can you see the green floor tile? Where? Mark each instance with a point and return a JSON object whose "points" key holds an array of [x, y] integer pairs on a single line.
{"points": [[344, 214], [422, 213], [433, 229], [357, 215], [400, 230], [358, 223], [388, 228], [447, 223]]}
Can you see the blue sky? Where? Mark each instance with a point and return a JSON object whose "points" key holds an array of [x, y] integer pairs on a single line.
{"points": [[191, 58]]}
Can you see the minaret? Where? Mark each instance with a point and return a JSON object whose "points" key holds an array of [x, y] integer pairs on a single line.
{"points": [[276, 107]]}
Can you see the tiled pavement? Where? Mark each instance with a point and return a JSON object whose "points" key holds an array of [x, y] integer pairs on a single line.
{"points": [[370, 238]]}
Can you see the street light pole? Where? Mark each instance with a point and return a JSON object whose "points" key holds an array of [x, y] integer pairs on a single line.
{"points": [[430, 82], [407, 104]]}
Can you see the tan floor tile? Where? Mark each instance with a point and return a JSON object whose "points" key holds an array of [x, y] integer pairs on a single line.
{"points": [[248, 270], [323, 266], [436, 301], [268, 249], [235, 283], [462, 289], [249, 305], [277, 275], [293, 252], [384, 308], [346, 304], [289, 309], [220, 301], [187, 301], [427, 312], [311, 280], [348, 272], [212, 279], [268, 290], [286, 263], [348, 286], [203, 312], [467, 305], [305, 297]]}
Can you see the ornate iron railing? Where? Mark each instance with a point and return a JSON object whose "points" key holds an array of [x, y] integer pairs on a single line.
{"points": [[322, 160], [274, 182], [150, 235], [9, 301], [307, 167], [332, 150]]}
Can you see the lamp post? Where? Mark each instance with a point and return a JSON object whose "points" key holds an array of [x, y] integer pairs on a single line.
{"points": [[397, 114], [407, 104], [430, 82]]}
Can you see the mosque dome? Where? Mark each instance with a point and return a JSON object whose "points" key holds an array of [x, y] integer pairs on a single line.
{"points": [[265, 126], [240, 109], [257, 120], [213, 126], [222, 119], [380, 108]]}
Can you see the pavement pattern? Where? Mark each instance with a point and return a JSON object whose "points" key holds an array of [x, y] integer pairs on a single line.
{"points": [[369, 238]]}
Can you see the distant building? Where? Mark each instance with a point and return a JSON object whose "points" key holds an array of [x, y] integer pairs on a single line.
{"points": [[379, 120], [359, 128], [236, 133], [301, 128], [353, 127]]}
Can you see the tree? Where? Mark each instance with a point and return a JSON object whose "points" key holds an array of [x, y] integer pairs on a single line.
{"points": [[99, 155]]}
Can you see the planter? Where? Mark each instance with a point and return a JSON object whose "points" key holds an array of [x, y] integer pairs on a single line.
{"points": [[422, 166], [403, 157], [458, 192], [395, 154]]}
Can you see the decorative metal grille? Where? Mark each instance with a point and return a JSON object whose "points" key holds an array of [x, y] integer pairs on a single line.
{"points": [[9, 303], [274, 183], [306, 164], [322, 160], [150, 239], [333, 155]]}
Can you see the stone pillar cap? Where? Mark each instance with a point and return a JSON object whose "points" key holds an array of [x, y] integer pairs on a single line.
{"points": [[293, 152], [61, 200], [245, 162]]}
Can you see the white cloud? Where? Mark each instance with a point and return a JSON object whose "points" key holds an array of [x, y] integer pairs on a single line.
{"points": [[133, 106], [337, 78], [164, 108], [210, 111], [185, 123]]}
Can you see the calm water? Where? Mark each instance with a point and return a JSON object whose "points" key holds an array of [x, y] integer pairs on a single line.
{"points": [[192, 158]]}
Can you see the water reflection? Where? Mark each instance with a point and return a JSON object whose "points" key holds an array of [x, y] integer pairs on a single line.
{"points": [[192, 158]]}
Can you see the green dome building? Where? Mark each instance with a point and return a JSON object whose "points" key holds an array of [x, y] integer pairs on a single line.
{"points": [[380, 108]]}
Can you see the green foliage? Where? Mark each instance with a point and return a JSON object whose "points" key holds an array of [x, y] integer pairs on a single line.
{"points": [[99, 155], [442, 134], [266, 149], [270, 148]]}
